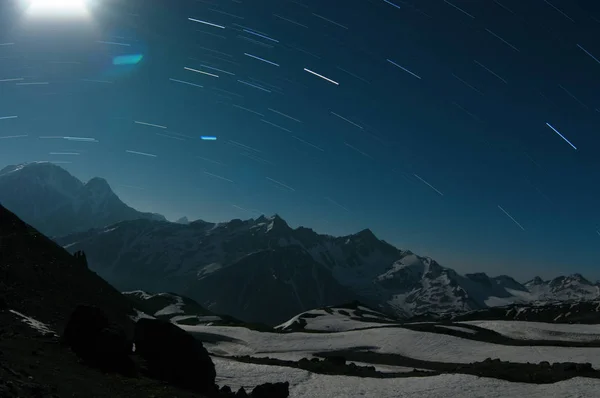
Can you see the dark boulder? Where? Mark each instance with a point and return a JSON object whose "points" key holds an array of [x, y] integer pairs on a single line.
{"points": [[271, 390], [174, 355], [115, 349], [225, 392], [85, 321], [584, 367], [98, 342]]}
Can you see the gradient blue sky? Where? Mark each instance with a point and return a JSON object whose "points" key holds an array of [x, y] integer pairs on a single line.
{"points": [[480, 140]]}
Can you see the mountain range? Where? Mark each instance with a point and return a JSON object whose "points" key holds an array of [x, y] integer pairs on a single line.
{"points": [[259, 270], [56, 203]]}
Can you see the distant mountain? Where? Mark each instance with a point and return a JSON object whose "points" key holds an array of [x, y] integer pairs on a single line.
{"points": [[587, 312], [56, 203], [40, 279], [572, 287], [262, 270], [183, 220]]}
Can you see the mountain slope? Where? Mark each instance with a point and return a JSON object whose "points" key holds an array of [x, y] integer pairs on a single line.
{"points": [[266, 286], [40, 279], [56, 203]]}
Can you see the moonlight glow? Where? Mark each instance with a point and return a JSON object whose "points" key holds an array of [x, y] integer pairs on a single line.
{"points": [[58, 8]]}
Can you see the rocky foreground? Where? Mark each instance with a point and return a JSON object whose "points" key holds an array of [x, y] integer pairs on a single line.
{"points": [[95, 358], [159, 350]]}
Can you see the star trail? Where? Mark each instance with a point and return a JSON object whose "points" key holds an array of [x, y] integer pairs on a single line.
{"points": [[414, 119]]}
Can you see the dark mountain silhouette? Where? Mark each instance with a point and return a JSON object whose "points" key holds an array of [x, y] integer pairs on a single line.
{"points": [[42, 280]]}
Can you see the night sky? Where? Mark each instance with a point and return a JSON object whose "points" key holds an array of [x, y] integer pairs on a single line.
{"points": [[465, 130]]}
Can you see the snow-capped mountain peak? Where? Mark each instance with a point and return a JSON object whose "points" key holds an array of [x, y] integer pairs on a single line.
{"points": [[276, 224], [48, 197], [562, 288], [12, 168]]}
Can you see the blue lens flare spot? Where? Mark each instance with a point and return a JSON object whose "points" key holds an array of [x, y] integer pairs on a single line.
{"points": [[131, 59], [208, 138]]}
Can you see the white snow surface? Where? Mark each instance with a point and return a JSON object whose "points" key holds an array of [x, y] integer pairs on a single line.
{"points": [[141, 293], [41, 327], [337, 321], [419, 345], [306, 384], [541, 331]]}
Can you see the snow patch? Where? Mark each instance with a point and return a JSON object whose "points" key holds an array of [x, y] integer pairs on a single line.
{"points": [[426, 346], [304, 384], [141, 294], [541, 331], [336, 320], [41, 327]]}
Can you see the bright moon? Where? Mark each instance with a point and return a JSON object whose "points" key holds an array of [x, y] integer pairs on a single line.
{"points": [[58, 8]]}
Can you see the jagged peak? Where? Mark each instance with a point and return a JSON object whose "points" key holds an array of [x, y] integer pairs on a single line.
{"points": [[572, 277], [535, 281], [366, 233], [99, 189], [276, 223], [578, 277], [563, 281], [276, 217], [365, 236], [98, 183]]}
